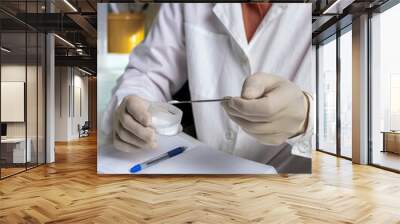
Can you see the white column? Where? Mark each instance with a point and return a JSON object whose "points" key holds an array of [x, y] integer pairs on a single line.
{"points": [[50, 92], [360, 90], [50, 99]]}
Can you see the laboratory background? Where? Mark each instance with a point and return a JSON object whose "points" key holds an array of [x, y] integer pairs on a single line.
{"points": [[56, 61], [124, 26]]}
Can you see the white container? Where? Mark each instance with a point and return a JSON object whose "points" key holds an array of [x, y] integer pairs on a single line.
{"points": [[165, 118]]}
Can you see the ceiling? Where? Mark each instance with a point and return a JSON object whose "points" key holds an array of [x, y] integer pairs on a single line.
{"points": [[72, 20], [332, 15], [76, 22]]}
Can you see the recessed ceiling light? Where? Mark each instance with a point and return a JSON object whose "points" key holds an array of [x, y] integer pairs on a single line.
{"points": [[337, 7], [84, 71], [70, 5], [65, 41]]}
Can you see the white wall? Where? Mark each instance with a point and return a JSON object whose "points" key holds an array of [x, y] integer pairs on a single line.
{"points": [[80, 83], [17, 73], [61, 103], [34, 125], [69, 82]]}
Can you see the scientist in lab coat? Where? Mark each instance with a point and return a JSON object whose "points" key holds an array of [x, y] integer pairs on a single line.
{"points": [[258, 53]]}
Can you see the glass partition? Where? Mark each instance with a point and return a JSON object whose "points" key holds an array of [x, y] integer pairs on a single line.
{"points": [[23, 88], [14, 153], [31, 97]]}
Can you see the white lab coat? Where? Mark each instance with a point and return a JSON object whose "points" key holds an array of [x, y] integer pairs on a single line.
{"points": [[206, 45]]}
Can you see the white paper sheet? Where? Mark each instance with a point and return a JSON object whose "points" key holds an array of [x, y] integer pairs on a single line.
{"points": [[197, 159]]}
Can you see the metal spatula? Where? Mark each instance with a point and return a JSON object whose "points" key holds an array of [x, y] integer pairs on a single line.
{"points": [[197, 101]]}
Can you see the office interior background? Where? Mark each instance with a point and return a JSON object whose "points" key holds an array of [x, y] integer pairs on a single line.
{"points": [[49, 84], [377, 105], [48, 81]]}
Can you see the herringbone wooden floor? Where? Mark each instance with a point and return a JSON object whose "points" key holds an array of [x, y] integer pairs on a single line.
{"points": [[70, 191]]}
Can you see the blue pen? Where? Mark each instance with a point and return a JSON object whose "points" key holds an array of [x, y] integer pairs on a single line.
{"points": [[167, 155]]}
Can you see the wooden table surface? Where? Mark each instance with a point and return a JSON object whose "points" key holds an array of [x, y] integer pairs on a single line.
{"points": [[70, 191]]}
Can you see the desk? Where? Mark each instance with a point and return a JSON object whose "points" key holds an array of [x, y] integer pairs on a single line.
{"points": [[198, 159], [13, 150], [391, 141]]}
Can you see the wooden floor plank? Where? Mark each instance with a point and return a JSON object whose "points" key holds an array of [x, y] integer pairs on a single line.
{"points": [[70, 191]]}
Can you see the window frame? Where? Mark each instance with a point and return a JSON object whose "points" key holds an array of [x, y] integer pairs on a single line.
{"points": [[334, 37]]}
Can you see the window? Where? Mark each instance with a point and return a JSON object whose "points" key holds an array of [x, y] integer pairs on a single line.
{"points": [[385, 88], [333, 137], [327, 97], [346, 94], [394, 101]]}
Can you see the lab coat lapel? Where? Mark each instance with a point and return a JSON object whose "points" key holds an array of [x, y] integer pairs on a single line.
{"points": [[274, 13], [231, 17]]}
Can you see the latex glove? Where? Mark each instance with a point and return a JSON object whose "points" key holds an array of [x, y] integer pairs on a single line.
{"points": [[271, 109], [132, 125]]}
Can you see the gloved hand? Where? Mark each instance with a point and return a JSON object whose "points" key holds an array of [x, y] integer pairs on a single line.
{"points": [[132, 125], [271, 109]]}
